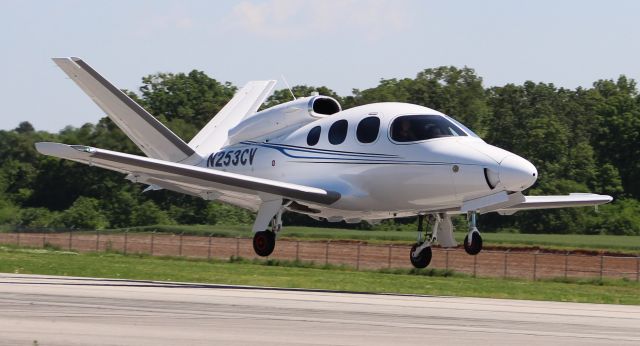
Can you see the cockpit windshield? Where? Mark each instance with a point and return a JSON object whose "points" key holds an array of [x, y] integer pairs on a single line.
{"points": [[412, 128]]}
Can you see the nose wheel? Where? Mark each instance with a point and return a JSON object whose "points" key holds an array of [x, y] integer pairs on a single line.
{"points": [[473, 239], [420, 254]]}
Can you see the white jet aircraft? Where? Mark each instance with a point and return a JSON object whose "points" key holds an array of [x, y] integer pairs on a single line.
{"points": [[309, 156]]}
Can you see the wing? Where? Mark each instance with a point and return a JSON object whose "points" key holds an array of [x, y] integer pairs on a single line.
{"points": [[549, 202], [193, 179]]}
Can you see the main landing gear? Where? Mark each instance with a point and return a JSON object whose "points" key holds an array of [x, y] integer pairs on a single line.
{"points": [[421, 253], [264, 242]]}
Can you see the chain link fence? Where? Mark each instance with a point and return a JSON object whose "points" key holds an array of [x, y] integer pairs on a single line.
{"points": [[489, 263]]}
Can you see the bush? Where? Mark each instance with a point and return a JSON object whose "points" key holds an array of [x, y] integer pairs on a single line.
{"points": [[9, 213], [84, 213], [37, 217], [622, 217], [228, 215], [148, 213]]}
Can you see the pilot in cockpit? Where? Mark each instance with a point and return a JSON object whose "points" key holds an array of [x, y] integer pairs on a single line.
{"points": [[405, 132]]}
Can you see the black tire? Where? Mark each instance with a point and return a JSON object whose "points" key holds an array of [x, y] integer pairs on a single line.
{"points": [[476, 244], [264, 242], [423, 259]]}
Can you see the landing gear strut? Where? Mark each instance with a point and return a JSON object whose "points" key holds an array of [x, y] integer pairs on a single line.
{"points": [[420, 254], [473, 240]]}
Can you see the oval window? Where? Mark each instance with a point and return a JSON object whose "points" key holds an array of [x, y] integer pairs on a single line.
{"points": [[338, 132], [368, 129], [314, 136]]}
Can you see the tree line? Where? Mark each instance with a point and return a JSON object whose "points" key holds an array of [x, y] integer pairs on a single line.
{"points": [[581, 140]]}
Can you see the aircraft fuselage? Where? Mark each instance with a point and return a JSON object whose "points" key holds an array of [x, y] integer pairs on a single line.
{"points": [[385, 175]]}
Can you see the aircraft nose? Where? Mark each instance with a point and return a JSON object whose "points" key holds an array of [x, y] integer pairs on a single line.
{"points": [[516, 173]]}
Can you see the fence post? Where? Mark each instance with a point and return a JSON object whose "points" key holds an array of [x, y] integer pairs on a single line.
{"points": [[237, 247], [446, 259], [126, 236], [153, 236], [18, 237], [70, 238], [297, 250], [638, 269], [535, 264], [358, 256], [475, 265], [504, 275], [601, 265], [44, 238], [566, 264], [326, 252], [97, 240], [180, 248], [209, 248], [389, 257]]}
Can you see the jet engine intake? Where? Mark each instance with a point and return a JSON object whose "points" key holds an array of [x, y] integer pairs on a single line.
{"points": [[278, 119]]}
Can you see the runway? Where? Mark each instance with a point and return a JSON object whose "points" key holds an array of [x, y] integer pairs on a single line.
{"points": [[48, 310]]}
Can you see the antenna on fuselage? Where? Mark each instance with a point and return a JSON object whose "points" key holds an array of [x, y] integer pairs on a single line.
{"points": [[288, 87]]}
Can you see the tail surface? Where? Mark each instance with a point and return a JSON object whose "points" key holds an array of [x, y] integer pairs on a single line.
{"points": [[149, 134], [243, 104]]}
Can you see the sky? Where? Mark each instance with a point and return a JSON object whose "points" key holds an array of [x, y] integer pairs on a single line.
{"points": [[342, 44]]}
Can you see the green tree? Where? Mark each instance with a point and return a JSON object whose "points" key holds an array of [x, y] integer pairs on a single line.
{"points": [[37, 217], [84, 213], [186, 102], [148, 213]]}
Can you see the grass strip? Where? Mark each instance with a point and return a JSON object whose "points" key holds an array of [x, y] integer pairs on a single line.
{"points": [[307, 275]]}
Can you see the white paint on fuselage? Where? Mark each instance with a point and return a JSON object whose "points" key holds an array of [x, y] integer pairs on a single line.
{"points": [[383, 178]]}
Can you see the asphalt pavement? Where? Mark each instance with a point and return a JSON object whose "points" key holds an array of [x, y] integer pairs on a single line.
{"points": [[49, 310]]}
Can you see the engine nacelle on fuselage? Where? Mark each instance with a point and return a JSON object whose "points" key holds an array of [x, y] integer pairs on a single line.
{"points": [[283, 117]]}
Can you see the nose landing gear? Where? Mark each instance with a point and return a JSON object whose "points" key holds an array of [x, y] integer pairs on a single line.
{"points": [[420, 254], [473, 240]]}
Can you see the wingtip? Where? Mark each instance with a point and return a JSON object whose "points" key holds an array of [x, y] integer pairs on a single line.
{"points": [[66, 58], [63, 150]]}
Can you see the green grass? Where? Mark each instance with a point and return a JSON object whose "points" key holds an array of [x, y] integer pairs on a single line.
{"points": [[608, 243], [305, 275]]}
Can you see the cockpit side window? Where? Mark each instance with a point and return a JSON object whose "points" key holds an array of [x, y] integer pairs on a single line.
{"points": [[412, 128]]}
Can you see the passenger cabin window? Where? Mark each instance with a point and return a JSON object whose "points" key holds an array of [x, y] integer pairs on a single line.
{"points": [[412, 128], [338, 132], [314, 136], [368, 128]]}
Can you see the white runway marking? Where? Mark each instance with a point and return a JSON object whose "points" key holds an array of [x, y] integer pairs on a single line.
{"points": [[82, 311]]}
